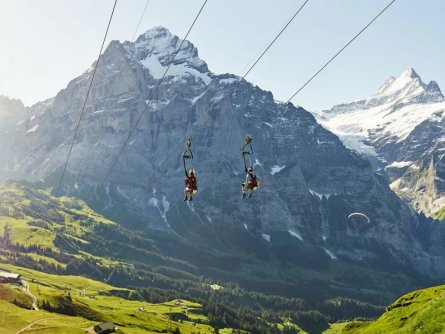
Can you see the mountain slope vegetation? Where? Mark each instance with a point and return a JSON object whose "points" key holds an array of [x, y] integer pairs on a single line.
{"points": [[421, 311], [64, 236], [311, 181], [75, 304], [289, 254]]}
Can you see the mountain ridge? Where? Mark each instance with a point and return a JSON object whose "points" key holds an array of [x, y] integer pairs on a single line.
{"points": [[399, 127], [311, 181]]}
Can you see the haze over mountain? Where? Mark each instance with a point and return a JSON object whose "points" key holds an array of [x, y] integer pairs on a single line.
{"points": [[312, 182], [402, 126]]}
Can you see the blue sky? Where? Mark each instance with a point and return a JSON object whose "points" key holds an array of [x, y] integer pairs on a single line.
{"points": [[47, 43]]}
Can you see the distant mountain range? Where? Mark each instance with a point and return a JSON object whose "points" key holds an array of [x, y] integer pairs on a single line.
{"points": [[294, 230], [402, 126]]}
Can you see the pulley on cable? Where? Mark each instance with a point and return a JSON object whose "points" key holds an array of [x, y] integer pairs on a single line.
{"points": [[252, 181], [191, 182]]}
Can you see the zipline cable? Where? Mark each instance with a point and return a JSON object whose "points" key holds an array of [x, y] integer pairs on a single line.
{"points": [[126, 142], [231, 91], [274, 40], [154, 93], [86, 99], [340, 51], [270, 44], [140, 117], [140, 20]]}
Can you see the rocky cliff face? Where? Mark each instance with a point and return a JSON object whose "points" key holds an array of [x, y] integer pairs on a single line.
{"points": [[311, 181], [11, 112], [402, 125]]}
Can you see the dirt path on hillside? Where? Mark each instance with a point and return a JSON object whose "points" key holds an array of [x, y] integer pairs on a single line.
{"points": [[89, 330], [24, 329], [34, 299]]}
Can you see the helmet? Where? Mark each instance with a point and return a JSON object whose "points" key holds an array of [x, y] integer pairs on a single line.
{"points": [[250, 169]]}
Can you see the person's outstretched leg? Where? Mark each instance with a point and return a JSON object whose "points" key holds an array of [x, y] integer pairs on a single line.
{"points": [[243, 190]]}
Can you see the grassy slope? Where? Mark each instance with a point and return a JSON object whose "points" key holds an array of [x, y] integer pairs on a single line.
{"points": [[124, 312], [94, 307], [421, 311], [68, 227]]}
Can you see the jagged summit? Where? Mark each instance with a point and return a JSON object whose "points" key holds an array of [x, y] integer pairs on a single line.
{"points": [[408, 84], [10, 106], [388, 116], [434, 88], [394, 84], [305, 163], [402, 125], [154, 32], [156, 48]]}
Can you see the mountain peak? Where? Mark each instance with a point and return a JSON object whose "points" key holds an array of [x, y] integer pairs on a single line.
{"points": [[408, 80], [409, 73], [10, 106], [408, 86], [158, 44], [433, 88], [155, 32]]}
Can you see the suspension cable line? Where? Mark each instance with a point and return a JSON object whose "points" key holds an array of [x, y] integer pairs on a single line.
{"points": [[140, 20], [153, 95], [340, 51], [86, 99], [274, 40], [143, 112], [231, 91]]}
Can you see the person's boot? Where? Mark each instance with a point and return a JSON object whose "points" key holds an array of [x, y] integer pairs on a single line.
{"points": [[191, 198], [250, 195], [243, 195], [185, 198]]}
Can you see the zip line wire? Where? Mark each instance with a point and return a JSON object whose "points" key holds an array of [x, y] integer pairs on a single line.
{"points": [[238, 82], [276, 37], [86, 99], [341, 50], [243, 77], [139, 23], [231, 91], [257, 60], [152, 96], [128, 138], [262, 54], [140, 20], [140, 118], [143, 112]]}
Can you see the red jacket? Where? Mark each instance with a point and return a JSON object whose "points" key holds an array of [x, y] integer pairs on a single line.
{"points": [[190, 182]]}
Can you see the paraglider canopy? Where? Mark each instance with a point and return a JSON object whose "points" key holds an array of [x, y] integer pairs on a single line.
{"points": [[358, 221]]}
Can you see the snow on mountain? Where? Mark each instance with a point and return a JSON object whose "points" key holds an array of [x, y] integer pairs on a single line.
{"points": [[402, 125], [155, 49], [408, 81], [310, 181], [388, 117]]}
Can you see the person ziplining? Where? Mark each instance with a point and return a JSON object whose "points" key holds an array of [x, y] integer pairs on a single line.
{"points": [[252, 181], [191, 182]]}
